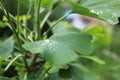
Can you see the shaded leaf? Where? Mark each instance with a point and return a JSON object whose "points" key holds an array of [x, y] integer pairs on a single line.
{"points": [[4, 78], [64, 73], [78, 71], [6, 47]]}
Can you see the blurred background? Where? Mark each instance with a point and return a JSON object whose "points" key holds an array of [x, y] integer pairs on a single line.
{"points": [[108, 46]]}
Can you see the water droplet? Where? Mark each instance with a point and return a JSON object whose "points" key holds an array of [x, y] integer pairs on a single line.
{"points": [[93, 11]]}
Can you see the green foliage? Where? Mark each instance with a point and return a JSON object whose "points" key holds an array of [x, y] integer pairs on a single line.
{"points": [[104, 9], [4, 78], [43, 48], [6, 47]]}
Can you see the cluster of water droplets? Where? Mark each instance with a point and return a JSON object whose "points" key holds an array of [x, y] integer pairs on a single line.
{"points": [[50, 45], [37, 46], [97, 12]]}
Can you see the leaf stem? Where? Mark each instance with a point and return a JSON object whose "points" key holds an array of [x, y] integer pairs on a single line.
{"points": [[45, 18], [12, 61], [42, 74], [45, 34], [15, 33], [37, 18]]}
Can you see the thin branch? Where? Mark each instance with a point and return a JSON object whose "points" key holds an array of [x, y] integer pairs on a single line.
{"points": [[12, 61], [55, 24]]}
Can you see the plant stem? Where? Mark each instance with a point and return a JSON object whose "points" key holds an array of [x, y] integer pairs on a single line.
{"points": [[55, 24], [45, 18], [37, 19], [16, 34], [18, 12], [12, 61], [42, 74]]}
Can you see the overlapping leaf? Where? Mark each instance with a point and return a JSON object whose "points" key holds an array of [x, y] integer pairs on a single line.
{"points": [[60, 48], [104, 9]]}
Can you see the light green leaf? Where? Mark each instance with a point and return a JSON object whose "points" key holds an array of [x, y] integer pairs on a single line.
{"points": [[105, 9], [80, 43], [34, 47], [48, 3], [94, 58], [52, 51], [60, 49], [91, 76], [58, 54], [2, 24], [95, 30]]}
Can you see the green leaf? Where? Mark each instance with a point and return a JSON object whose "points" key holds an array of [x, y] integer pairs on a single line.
{"points": [[2, 24], [95, 30], [101, 9], [94, 58], [4, 78], [78, 71], [64, 73], [64, 27], [58, 54], [53, 52], [48, 3], [6, 46], [34, 47], [105, 9], [60, 49], [83, 10], [80, 43], [91, 76]]}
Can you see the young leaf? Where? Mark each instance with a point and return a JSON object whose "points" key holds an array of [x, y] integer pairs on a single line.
{"points": [[2, 24], [95, 31]]}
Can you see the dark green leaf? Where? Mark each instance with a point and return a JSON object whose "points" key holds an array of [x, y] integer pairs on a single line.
{"points": [[65, 73], [4, 78], [78, 71]]}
